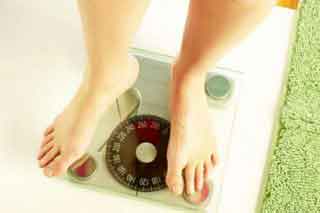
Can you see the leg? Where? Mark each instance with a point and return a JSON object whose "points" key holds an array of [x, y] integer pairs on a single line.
{"points": [[109, 26], [212, 28]]}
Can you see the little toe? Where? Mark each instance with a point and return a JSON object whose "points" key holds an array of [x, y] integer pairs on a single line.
{"points": [[199, 177], [208, 167], [47, 139], [46, 148], [189, 174], [49, 156], [214, 159], [49, 130], [174, 178]]}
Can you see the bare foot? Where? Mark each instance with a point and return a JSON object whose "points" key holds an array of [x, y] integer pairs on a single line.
{"points": [[68, 137], [192, 151]]}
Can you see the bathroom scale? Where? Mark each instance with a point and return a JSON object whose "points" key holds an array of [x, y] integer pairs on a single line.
{"points": [[127, 155]]}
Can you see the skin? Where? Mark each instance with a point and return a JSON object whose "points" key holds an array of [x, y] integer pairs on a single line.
{"points": [[108, 27], [212, 28]]}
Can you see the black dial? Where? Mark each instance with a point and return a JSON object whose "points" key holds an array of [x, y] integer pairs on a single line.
{"points": [[131, 137]]}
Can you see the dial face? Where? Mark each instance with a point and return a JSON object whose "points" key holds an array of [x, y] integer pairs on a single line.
{"points": [[136, 152]]}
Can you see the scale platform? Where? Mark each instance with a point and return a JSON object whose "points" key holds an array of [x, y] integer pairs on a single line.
{"points": [[128, 153]]}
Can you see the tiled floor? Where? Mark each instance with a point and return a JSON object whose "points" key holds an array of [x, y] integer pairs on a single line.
{"points": [[41, 57]]}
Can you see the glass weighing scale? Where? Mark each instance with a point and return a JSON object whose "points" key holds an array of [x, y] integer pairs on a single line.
{"points": [[128, 153]]}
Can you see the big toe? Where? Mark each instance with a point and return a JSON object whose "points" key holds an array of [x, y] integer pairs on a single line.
{"points": [[60, 164], [174, 178]]}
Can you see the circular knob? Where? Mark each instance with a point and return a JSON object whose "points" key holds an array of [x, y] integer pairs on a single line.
{"points": [[218, 87]]}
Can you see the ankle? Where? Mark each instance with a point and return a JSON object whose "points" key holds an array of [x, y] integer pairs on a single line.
{"points": [[187, 79], [114, 75], [113, 79]]}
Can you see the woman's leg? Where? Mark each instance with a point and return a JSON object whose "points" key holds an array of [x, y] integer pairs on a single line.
{"points": [[212, 28], [109, 26]]}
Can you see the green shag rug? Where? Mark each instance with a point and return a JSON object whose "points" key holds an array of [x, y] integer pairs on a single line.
{"points": [[293, 175]]}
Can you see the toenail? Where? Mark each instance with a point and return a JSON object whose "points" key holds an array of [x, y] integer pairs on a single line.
{"points": [[176, 189], [190, 192], [41, 163], [49, 172]]}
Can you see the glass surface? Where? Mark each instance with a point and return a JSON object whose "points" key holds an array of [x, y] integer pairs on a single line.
{"points": [[200, 198], [151, 97], [84, 168], [218, 87]]}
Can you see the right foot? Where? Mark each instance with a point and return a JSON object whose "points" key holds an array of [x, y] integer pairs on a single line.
{"points": [[192, 150], [68, 137]]}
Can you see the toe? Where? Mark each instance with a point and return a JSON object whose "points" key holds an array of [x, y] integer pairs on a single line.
{"points": [[190, 179], [174, 178], [49, 130], [49, 156], [46, 148], [47, 139], [48, 170], [199, 177], [214, 159], [208, 167], [61, 164]]}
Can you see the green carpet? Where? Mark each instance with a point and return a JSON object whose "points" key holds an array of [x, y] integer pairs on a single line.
{"points": [[293, 175]]}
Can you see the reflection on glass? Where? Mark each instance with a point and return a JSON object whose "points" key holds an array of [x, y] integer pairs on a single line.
{"points": [[84, 168], [200, 198]]}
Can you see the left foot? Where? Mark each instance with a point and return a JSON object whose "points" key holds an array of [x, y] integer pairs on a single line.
{"points": [[192, 151], [71, 133]]}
